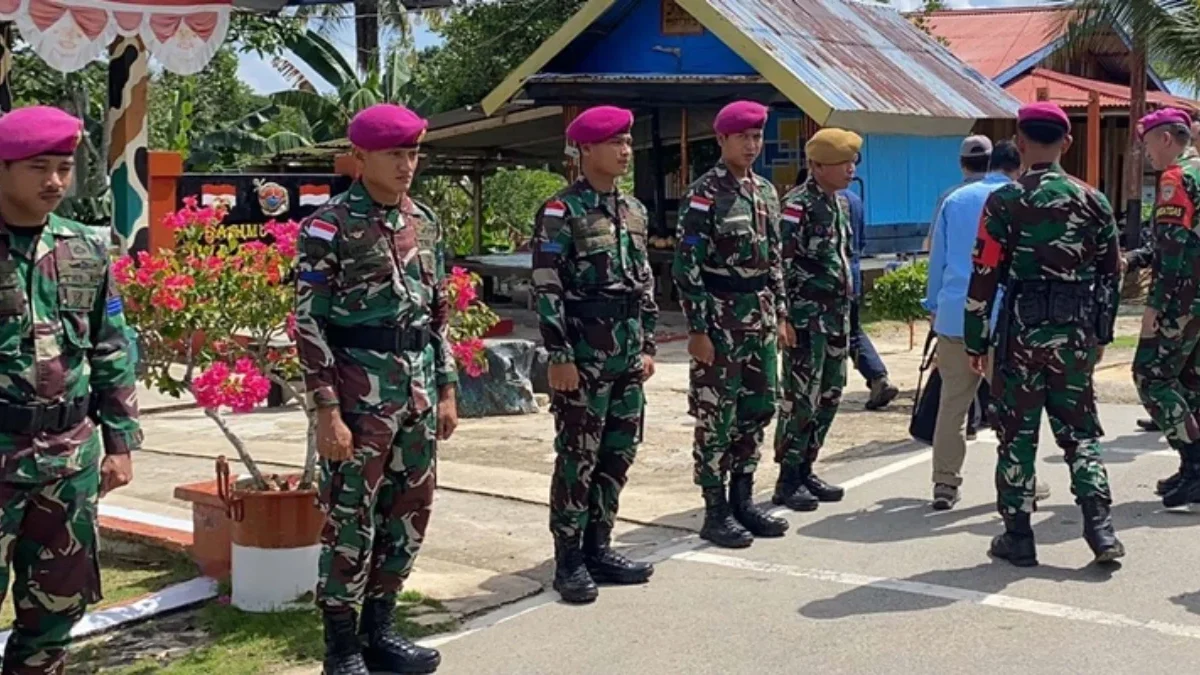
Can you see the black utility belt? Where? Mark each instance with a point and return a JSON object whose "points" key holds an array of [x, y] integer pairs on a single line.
{"points": [[379, 338], [721, 283], [33, 418], [1054, 302], [615, 307]]}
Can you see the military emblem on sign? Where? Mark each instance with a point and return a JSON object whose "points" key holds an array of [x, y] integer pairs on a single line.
{"points": [[272, 198]]}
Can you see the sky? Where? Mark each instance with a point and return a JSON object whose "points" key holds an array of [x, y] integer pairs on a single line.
{"points": [[263, 78]]}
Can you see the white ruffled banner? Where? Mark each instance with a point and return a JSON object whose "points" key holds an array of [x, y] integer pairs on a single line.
{"points": [[183, 35]]}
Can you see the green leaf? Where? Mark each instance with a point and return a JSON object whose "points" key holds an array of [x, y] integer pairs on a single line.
{"points": [[322, 57]]}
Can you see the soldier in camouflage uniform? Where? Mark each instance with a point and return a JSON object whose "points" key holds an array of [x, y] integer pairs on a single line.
{"points": [[816, 270], [67, 391], [595, 303], [371, 318], [1164, 364], [1141, 258], [1052, 239], [727, 270]]}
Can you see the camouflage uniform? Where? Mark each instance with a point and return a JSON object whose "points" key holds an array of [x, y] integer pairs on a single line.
{"points": [[1054, 239], [596, 309], [816, 254], [1163, 371], [368, 273], [63, 351], [727, 270]]}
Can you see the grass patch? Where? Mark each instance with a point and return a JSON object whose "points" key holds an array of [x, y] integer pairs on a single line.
{"points": [[243, 643], [126, 576], [1124, 342]]}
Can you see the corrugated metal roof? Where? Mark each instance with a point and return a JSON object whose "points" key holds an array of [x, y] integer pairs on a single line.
{"points": [[863, 67], [860, 61], [994, 40], [1070, 91]]}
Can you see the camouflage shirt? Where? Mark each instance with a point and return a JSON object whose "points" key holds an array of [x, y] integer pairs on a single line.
{"points": [[1143, 255], [816, 253], [1064, 231], [62, 338], [1176, 261], [729, 228], [588, 245], [363, 264]]}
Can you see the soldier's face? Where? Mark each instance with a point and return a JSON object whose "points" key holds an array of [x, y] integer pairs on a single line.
{"points": [[37, 185], [833, 176], [1196, 133], [612, 157], [1160, 149], [741, 149], [392, 169]]}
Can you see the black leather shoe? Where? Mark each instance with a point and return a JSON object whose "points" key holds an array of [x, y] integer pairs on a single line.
{"points": [[720, 527], [606, 565], [1098, 530], [1170, 482], [343, 651], [791, 490], [571, 577], [1148, 425], [823, 491], [1186, 490], [1016, 545], [745, 511], [386, 650]]}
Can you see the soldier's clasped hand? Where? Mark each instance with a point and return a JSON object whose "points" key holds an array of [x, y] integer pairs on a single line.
{"points": [[647, 367], [700, 347], [115, 471], [563, 377], [334, 440]]}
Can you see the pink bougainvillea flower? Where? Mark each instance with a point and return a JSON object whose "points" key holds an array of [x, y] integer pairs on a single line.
{"points": [[190, 202], [121, 271], [239, 389], [166, 299], [178, 282], [464, 298]]}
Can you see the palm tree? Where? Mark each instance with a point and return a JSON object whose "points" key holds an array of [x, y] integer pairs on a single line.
{"points": [[329, 115], [1162, 31], [369, 16]]}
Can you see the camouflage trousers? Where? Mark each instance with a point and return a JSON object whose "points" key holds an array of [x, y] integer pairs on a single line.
{"points": [[733, 401], [814, 373], [1060, 381], [48, 539], [1164, 371], [597, 431], [377, 503]]}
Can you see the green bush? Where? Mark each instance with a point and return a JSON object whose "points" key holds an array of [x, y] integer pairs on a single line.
{"points": [[897, 296]]}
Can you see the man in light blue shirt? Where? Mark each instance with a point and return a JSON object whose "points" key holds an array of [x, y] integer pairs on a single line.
{"points": [[952, 241]]}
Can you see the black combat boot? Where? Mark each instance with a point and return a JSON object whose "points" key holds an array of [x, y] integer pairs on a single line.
{"points": [[719, 526], [1187, 489], [343, 651], [386, 650], [791, 490], [571, 578], [823, 491], [1098, 530], [1016, 544], [606, 565], [745, 511], [1170, 482]]}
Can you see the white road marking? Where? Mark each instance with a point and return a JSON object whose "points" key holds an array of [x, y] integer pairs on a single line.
{"points": [[1048, 609], [885, 471]]}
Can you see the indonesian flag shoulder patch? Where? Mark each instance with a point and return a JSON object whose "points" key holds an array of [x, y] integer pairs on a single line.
{"points": [[555, 209], [700, 203], [792, 213], [319, 229]]}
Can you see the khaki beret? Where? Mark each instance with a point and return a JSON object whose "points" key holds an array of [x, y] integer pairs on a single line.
{"points": [[833, 146]]}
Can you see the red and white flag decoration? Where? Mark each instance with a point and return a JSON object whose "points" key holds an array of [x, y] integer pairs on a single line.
{"points": [[314, 195], [210, 195], [182, 35]]}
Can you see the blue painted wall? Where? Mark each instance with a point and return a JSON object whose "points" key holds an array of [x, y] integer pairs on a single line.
{"points": [[629, 48]]}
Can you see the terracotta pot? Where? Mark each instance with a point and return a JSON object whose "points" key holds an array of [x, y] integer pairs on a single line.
{"points": [[275, 546], [211, 528]]}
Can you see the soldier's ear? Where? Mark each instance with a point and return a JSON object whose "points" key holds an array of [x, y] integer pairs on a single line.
{"points": [[1066, 144]]}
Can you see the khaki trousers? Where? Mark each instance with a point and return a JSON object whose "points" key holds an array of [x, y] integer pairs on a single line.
{"points": [[959, 384]]}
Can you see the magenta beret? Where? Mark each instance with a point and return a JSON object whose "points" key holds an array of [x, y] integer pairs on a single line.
{"points": [[1164, 116], [1044, 111], [596, 125], [38, 130], [386, 126], [740, 116]]}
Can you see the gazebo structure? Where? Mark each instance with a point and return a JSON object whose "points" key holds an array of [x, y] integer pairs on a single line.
{"points": [[182, 35]]}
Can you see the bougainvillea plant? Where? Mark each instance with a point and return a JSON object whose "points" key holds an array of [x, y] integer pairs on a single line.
{"points": [[470, 319]]}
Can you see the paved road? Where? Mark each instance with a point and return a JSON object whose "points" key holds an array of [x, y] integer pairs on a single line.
{"points": [[879, 583]]}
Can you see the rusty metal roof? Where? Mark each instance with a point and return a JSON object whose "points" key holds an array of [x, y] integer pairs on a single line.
{"points": [[855, 63]]}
